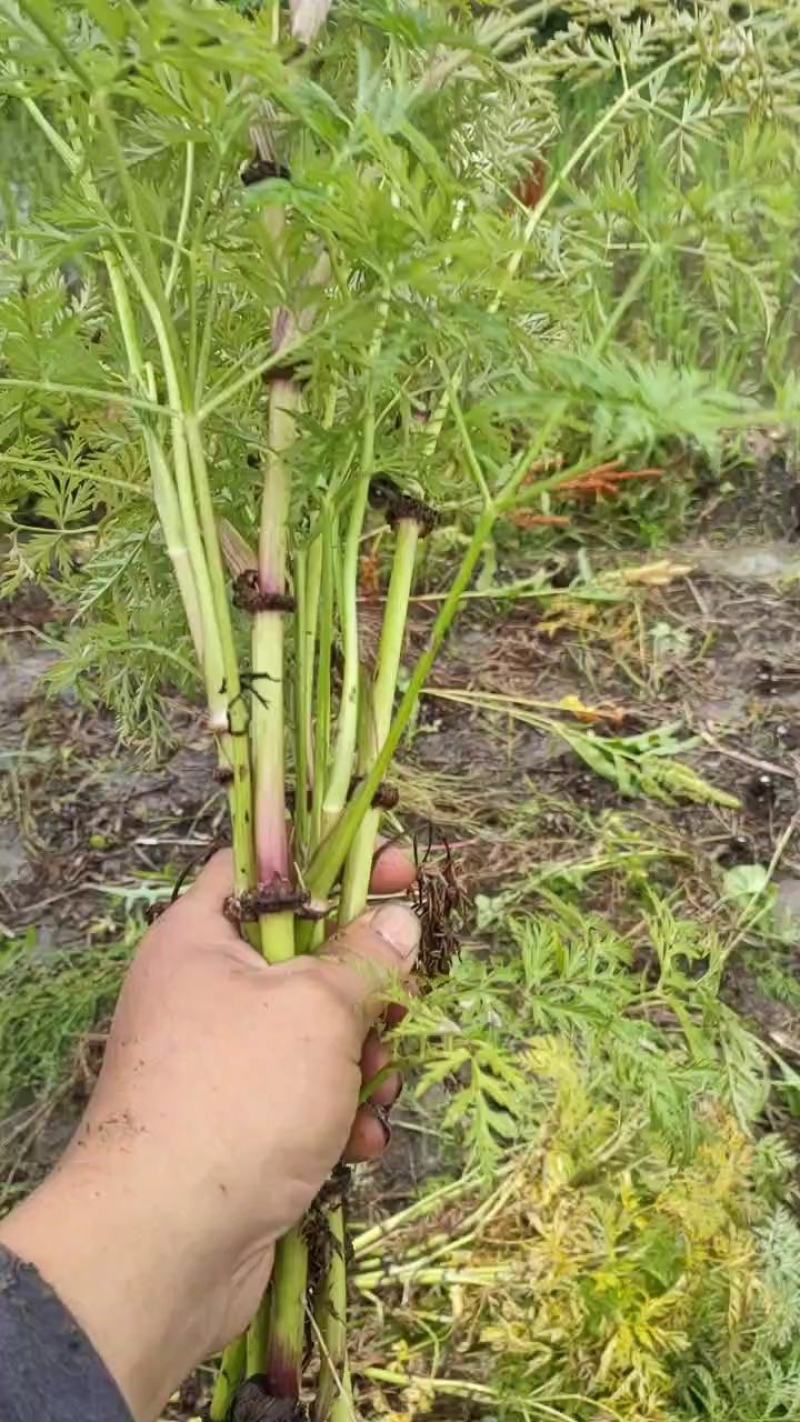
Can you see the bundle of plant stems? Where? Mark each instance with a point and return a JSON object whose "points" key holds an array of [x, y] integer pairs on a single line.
{"points": [[338, 325]]}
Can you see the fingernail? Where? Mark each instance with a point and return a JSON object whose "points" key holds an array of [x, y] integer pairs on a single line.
{"points": [[382, 1117], [400, 928]]}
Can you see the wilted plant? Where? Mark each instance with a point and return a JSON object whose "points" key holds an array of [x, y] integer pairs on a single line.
{"points": [[275, 294]]}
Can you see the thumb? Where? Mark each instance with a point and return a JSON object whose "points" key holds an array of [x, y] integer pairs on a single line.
{"points": [[362, 960]]}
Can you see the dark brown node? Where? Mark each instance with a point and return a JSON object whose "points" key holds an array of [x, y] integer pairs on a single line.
{"points": [[258, 170], [247, 595], [288, 369], [406, 507], [386, 796], [278, 897], [255, 1403], [154, 911], [224, 775]]}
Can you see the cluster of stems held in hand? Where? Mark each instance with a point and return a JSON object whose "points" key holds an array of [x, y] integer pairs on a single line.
{"points": [[330, 754], [334, 824]]}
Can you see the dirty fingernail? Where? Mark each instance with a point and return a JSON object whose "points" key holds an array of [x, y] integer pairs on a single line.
{"points": [[382, 1117], [400, 927]]}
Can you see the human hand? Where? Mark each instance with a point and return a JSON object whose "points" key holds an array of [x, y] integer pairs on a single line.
{"points": [[229, 1091]]}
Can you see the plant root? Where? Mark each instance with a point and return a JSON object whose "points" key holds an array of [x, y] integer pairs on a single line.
{"points": [[439, 898]]}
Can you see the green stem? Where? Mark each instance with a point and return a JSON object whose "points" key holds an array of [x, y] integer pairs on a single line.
{"points": [[341, 772], [230, 1374], [347, 725], [333, 1400], [267, 715], [234, 737], [256, 1339], [311, 623], [183, 545], [333, 1385], [358, 866], [183, 221], [303, 651], [164, 493], [329, 858], [286, 1327], [198, 568], [331, 854], [322, 729]]}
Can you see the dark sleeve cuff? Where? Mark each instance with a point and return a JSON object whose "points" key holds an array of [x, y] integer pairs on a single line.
{"points": [[49, 1371]]}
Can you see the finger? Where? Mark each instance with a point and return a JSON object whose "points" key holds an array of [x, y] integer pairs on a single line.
{"points": [[369, 1137], [214, 882], [392, 870], [364, 960], [376, 1065]]}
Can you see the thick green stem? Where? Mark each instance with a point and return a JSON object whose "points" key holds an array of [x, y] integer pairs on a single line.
{"points": [[230, 1374], [333, 1386], [267, 714], [286, 1315], [256, 1339], [283, 1310]]}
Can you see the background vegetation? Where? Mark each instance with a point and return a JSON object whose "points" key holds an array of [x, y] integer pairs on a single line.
{"points": [[590, 213]]}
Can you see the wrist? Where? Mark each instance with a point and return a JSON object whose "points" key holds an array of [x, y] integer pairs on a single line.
{"points": [[103, 1238]]}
